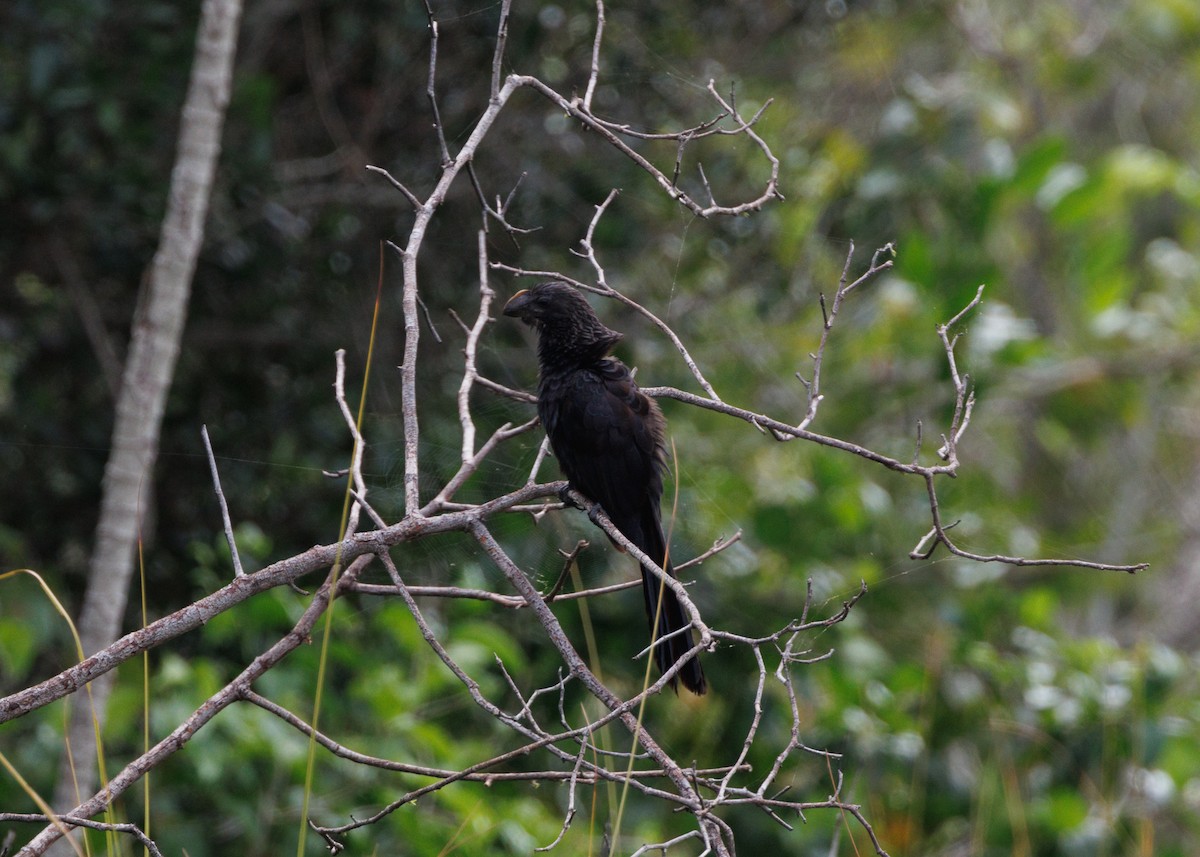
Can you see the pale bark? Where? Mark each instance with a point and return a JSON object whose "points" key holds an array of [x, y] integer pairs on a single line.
{"points": [[154, 350]]}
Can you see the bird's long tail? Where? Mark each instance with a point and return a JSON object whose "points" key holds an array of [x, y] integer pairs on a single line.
{"points": [[671, 616]]}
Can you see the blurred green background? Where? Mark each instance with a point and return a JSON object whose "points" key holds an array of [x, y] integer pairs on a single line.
{"points": [[1048, 150]]}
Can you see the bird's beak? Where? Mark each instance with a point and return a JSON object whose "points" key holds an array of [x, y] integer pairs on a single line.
{"points": [[517, 303]]}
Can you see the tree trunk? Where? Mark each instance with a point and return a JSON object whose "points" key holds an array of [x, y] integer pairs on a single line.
{"points": [[154, 349]]}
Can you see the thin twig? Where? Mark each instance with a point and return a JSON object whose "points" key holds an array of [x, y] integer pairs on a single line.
{"points": [[396, 183], [356, 457], [464, 390], [431, 89], [828, 316], [569, 559], [501, 43], [594, 72], [216, 477]]}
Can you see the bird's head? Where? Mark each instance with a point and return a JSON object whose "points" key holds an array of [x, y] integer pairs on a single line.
{"points": [[547, 303], [567, 325]]}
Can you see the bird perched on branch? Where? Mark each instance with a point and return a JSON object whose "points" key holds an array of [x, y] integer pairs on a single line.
{"points": [[608, 439]]}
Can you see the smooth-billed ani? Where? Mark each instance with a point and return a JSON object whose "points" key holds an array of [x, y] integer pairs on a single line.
{"points": [[608, 439]]}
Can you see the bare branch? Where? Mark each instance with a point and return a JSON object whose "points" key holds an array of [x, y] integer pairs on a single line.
{"points": [[356, 477], [594, 74], [408, 194], [75, 821], [813, 387], [963, 402], [212, 463], [464, 391], [216, 703], [279, 573], [569, 559], [507, 392], [430, 88], [613, 293], [679, 779], [938, 535], [718, 546], [442, 500], [498, 54], [601, 519], [510, 602], [574, 108]]}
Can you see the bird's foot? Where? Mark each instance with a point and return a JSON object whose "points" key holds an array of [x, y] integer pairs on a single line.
{"points": [[574, 500], [564, 494]]}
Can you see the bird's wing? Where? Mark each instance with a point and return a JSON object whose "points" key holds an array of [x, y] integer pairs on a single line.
{"points": [[607, 437]]}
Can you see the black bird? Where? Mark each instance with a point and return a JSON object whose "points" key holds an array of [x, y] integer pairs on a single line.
{"points": [[608, 438]]}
